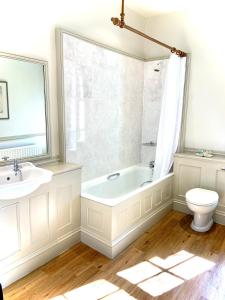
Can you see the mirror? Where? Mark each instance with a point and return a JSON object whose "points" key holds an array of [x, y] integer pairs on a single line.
{"points": [[23, 108]]}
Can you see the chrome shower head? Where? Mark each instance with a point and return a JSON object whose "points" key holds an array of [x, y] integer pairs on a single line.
{"points": [[157, 68]]}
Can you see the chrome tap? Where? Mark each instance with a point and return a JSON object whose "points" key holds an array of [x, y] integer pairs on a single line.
{"points": [[17, 168], [152, 164]]}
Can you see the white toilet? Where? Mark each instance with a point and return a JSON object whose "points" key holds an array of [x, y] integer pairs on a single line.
{"points": [[202, 202]]}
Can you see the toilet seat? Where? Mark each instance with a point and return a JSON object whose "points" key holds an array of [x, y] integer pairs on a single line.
{"points": [[202, 197]]}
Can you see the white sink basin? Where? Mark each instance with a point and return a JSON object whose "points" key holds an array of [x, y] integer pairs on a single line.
{"points": [[12, 186]]}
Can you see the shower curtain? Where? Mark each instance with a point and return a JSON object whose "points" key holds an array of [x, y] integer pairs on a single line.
{"points": [[170, 117]]}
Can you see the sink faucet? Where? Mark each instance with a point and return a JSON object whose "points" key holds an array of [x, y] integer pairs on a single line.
{"points": [[17, 168]]}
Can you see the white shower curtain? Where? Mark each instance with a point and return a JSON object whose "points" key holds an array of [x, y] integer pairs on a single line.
{"points": [[170, 117]]}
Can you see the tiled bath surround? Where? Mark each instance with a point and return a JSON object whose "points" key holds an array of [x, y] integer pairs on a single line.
{"points": [[103, 95], [154, 78], [104, 107]]}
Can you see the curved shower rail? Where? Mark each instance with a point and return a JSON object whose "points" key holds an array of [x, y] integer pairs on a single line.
{"points": [[121, 23]]}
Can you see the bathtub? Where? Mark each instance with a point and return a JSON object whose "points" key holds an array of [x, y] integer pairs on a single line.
{"points": [[118, 207]]}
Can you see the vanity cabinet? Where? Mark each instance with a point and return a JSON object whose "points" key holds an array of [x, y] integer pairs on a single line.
{"points": [[191, 171], [66, 203], [36, 228]]}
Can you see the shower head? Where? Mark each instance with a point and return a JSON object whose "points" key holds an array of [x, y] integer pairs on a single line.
{"points": [[157, 68]]}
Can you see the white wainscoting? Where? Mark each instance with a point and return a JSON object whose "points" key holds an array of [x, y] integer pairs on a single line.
{"points": [[38, 227], [191, 171], [111, 229]]}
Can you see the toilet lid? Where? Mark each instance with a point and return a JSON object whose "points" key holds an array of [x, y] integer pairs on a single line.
{"points": [[202, 197]]}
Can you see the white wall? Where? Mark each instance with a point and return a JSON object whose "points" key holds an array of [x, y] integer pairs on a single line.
{"points": [[28, 28], [199, 31]]}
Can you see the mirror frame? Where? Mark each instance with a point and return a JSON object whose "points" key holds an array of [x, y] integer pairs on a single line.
{"points": [[48, 155]]}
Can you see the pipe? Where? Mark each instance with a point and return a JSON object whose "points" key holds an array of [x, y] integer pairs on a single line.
{"points": [[121, 23], [122, 15]]}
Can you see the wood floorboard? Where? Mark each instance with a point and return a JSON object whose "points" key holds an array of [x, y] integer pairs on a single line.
{"points": [[82, 265]]}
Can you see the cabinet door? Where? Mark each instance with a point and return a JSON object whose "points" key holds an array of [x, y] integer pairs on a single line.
{"points": [[217, 173], [188, 174], [67, 202], [39, 217], [13, 230]]}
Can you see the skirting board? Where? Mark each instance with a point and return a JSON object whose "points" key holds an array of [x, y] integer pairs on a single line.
{"points": [[39, 258], [179, 205], [112, 249]]}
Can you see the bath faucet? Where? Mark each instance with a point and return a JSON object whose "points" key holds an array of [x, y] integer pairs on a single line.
{"points": [[152, 164]]}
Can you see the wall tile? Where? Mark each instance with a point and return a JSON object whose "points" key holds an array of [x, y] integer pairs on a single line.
{"points": [[103, 95], [152, 99]]}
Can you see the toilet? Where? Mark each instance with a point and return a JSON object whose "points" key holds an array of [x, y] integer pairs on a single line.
{"points": [[202, 203]]}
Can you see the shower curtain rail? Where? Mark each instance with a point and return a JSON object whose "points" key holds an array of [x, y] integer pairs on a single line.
{"points": [[121, 23]]}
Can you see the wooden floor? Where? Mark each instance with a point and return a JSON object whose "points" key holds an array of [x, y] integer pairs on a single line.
{"points": [[82, 265]]}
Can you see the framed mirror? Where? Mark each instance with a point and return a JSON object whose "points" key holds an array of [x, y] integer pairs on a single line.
{"points": [[24, 108]]}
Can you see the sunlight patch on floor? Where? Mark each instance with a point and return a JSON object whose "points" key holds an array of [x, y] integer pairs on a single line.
{"points": [[120, 295], [97, 290], [92, 291], [176, 268], [171, 260], [192, 267], [139, 272], [160, 284], [60, 297], [147, 275]]}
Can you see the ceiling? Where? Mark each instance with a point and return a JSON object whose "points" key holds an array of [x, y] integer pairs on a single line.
{"points": [[148, 8]]}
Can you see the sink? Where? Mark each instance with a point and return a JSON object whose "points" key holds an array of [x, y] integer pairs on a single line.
{"points": [[31, 177]]}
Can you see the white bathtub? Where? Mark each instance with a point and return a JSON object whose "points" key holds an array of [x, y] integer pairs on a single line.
{"points": [[116, 210], [122, 185]]}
